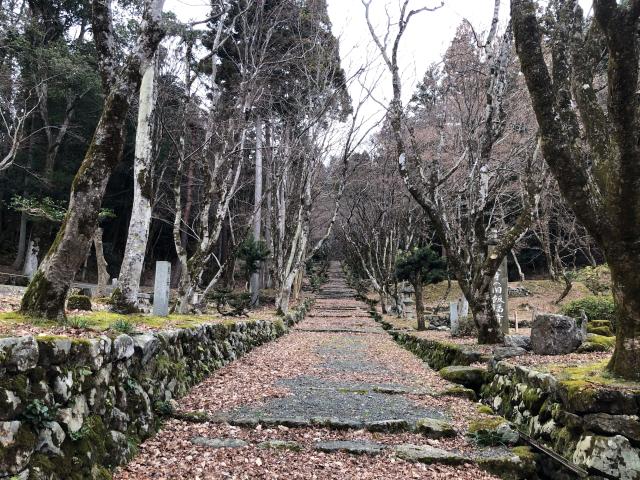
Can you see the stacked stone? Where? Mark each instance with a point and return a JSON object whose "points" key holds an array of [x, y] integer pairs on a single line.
{"points": [[73, 406], [597, 428]]}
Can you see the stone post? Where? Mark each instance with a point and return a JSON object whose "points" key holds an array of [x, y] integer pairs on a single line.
{"points": [[454, 320], [463, 307], [161, 289], [31, 260], [499, 286], [408, 304]]}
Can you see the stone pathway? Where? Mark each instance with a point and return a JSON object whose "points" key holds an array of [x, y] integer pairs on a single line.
{"points": [[336, 398]]}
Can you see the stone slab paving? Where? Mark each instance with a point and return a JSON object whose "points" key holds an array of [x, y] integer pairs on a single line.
{"points": [[346, 404]]}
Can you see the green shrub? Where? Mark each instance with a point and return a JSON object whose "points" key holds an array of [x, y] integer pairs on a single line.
{"points": [[467, 327], [79, 302], [596, 279], [123, 325], [229, 303], [595, 308], [78, 322]]}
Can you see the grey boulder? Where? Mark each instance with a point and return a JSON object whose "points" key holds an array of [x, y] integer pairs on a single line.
{"points": [[557, 334], [521, 341]]}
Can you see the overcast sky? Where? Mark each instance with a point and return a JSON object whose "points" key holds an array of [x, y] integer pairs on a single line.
{"points": [[425, 41]]}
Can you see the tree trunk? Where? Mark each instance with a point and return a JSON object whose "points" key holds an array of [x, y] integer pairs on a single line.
{"points": [[518, 266], [257, 218], [268, 237], [626, 293], [489, 331], [103, 274], [568, 285], [383, 302], [417, 286], [125, 298], [22, 242], [297, 285], [284, 295], [47, 291]]}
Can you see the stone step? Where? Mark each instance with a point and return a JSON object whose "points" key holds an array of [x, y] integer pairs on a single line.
{"points": [[428, 427], [516, 463]]}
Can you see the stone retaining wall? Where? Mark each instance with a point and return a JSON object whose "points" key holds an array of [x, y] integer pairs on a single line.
{"points": [[597, 429], [74, 408], [437, 354]]}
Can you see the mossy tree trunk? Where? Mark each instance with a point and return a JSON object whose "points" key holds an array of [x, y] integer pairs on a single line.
{"points": [[625, 278], [47, 291], [484, 316], [593, 150], [257, 214]]}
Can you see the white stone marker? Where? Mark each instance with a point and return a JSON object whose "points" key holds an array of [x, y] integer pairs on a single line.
{"points": [[463, 307], [499, 286], [454, 321], [31, 260], [161, 289]]}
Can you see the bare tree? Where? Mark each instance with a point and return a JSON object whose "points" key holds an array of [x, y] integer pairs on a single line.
{"points": [[378, 221], [452, 164]]}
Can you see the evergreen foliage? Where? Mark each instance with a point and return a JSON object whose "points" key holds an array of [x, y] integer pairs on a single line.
{"points": [[422, 263]]}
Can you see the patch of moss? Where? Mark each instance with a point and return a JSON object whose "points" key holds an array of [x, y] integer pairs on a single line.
{"points": [[18, 318], [600, 323], [485, 409], [11, 317], [24, 442], [524, 452], [279, 326], [51, 338], [590, 374], [604, 331], [352, 390], [582, 387], [79, 302], [533, 400], [18, 384], [486, 424], [82, 456], [166, 367], [459, 391], [597, 343], [102, 321]]}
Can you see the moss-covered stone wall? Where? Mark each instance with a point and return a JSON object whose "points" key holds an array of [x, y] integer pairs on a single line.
{"points": [[73, 408], [595, 427], [438, 354]]}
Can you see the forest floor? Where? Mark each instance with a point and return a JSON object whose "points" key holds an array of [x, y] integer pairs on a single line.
{"points": [[544, 294], [337, 398]]}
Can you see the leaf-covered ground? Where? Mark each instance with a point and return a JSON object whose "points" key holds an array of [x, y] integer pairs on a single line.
{"points": [[338, 364]]}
